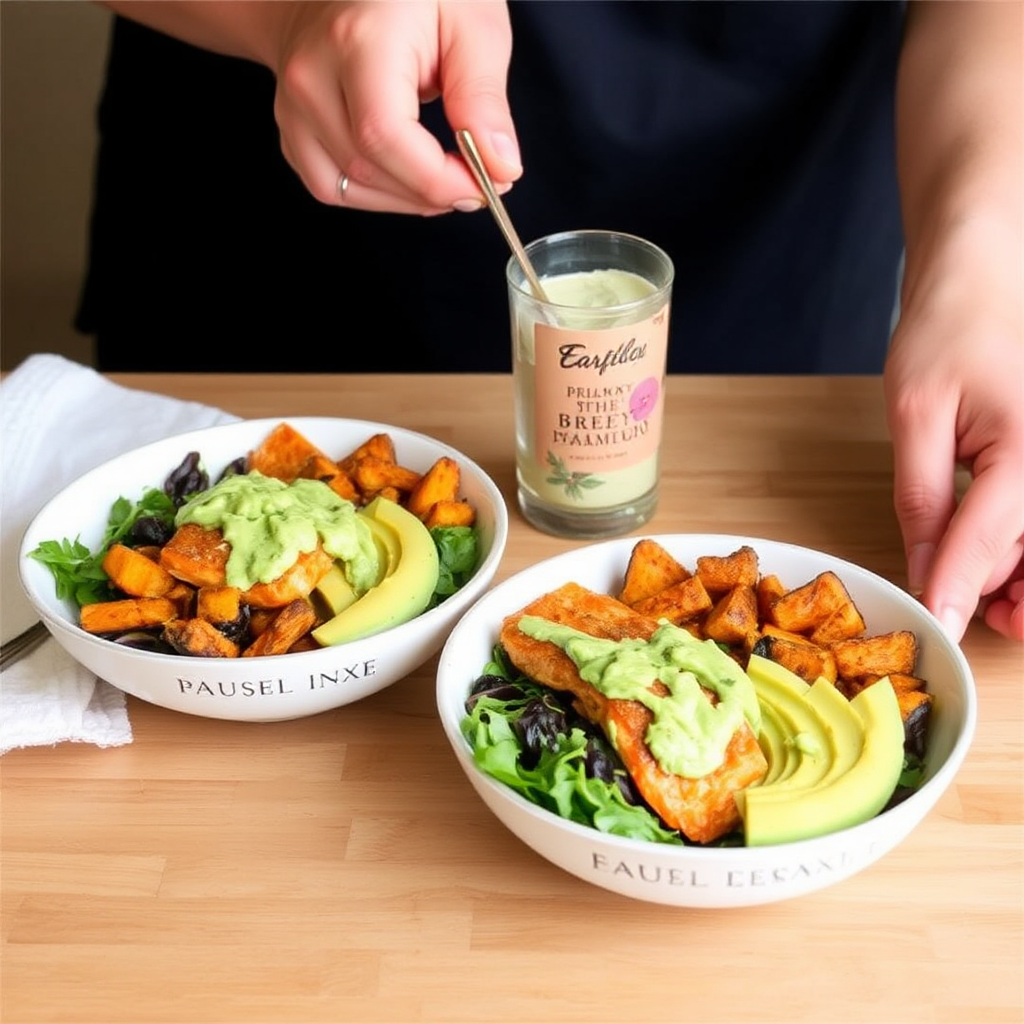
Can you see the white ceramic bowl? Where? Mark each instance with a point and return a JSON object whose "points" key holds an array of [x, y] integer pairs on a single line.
{"points": [[259, 689], [695, 876]]}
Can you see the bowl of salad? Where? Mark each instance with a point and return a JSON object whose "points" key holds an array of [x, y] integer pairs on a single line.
{"points": [[265, 569], [705, 720]]}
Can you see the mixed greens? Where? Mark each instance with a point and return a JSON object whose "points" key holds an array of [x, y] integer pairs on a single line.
{"points": [[78, 571], [523, 735]]}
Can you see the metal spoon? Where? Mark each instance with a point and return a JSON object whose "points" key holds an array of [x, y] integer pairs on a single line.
{"points": [[472, 157]]}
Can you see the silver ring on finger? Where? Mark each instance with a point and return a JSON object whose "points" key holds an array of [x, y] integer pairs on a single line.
{"points": [[342, 186]]}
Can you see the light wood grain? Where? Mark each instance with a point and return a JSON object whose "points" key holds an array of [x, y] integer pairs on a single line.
{"points": [[339, 868]]}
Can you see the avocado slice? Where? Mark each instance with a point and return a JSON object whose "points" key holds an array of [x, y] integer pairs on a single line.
{"points": [[389, 546], [334, 590], [398, 597], [808, 736], [859, 782], [781, 755]]}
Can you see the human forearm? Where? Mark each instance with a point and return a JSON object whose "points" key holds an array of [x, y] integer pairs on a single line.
{"points": [[955, 373], [960, 126], [236, 28]]}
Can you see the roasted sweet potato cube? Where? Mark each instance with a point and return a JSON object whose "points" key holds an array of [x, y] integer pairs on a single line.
{"points": [[379, 446], [908, 700], [282, 453], [770, 629], [184, 596], [260, 619], [802, 609], [199, 638], [218, 604], [320, 467], [440, 483], [131, 613], [769, 589], [901, 681], [450, 513], [720, 573], [686, 600], [372, 475], [291, 623], [304, 643], [196, 555], [806, 660], [733, 619], [877, 656], [224, 608], [844, 623], [136, 574], [651, 569]]}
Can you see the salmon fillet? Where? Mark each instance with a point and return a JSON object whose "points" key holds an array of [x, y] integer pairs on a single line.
{"points": [[703, 809], [200, 556]]}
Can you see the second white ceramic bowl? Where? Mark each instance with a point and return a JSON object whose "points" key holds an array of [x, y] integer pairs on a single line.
{"points": [[258, 689]]}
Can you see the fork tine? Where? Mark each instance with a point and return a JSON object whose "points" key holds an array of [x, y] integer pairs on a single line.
{"points": [[24, 643]]}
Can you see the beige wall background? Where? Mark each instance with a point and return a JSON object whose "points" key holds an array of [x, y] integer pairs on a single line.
{"points": [[52, 55]]}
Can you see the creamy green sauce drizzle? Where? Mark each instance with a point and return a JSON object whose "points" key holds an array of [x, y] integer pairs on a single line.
{"points": [[268, 523], [688, 735]]}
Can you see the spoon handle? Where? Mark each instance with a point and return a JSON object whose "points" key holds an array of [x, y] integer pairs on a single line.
{"points": [[472, 157]]}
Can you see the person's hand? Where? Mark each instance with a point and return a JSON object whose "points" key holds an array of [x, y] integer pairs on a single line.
{"points": [[351, 78], [955, 395]]}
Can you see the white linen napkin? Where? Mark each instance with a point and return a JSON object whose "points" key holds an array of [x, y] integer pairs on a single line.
{"points": [[59, 419]]}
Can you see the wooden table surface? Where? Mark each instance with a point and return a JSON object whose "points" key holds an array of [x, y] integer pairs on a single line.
{"points": [[338, 868]]}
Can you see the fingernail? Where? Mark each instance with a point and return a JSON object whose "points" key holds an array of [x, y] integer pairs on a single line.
{"points": [[468, 205], [919, 564], [504, 187], [952, 622], [505, 147]]}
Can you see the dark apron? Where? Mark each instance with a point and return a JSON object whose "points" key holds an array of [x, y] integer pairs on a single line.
{"points": [[753, 141]]}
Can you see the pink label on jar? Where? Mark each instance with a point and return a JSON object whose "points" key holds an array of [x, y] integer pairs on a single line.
{"points": [[599, 395]]}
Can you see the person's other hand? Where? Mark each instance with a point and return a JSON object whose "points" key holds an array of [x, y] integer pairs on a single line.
{"points": [[955, 395], [351, 78]]}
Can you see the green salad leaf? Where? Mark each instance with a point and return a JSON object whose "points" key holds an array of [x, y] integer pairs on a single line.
{"points": [[558, 780], [78, 572], [913, 772], [457, 548]]}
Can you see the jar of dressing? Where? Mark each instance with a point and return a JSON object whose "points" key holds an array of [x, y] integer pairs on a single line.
{"points": [[589, 376]]}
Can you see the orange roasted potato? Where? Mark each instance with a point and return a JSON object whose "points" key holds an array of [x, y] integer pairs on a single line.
{"points": [[814, 629], [284, 453], [136, 574], [294, 621], [199, 639], [440, 483], [651, 570], [127, 614], [719, 573]]}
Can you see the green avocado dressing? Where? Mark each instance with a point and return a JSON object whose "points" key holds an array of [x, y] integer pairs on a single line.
{"points": [[268, 523], [688, 735]]}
